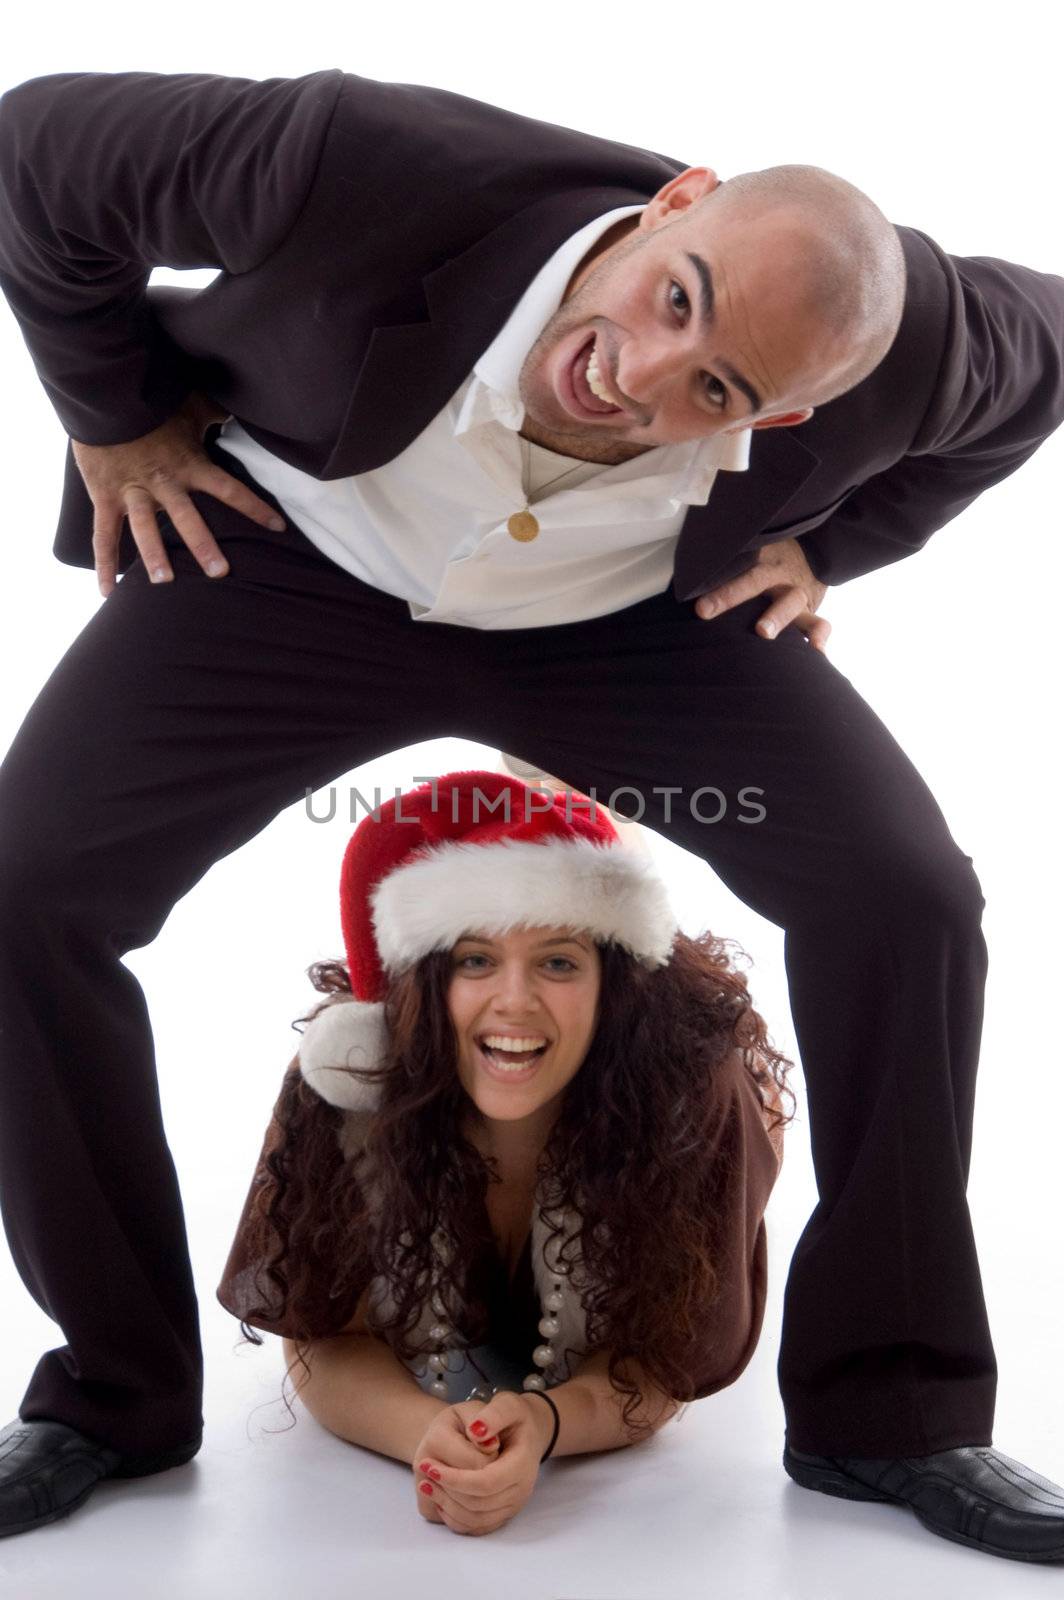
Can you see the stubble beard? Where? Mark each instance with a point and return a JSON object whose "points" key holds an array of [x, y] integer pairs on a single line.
{"points": [[589, 443]]}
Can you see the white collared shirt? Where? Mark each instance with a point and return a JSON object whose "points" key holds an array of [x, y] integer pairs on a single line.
{"points": [[430, 526]]}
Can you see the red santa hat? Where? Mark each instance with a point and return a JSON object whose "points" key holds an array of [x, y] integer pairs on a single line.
{"points": [[471, 852]]}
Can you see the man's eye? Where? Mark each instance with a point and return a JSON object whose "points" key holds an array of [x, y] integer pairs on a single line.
{"points": [[720, 397], [681, 292]]}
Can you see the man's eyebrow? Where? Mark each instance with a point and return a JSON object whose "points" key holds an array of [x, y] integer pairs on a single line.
{"points": [[706, 312]]}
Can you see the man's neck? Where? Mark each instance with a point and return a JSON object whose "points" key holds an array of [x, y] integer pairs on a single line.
{"points": [[598, 252], [606, 454]]}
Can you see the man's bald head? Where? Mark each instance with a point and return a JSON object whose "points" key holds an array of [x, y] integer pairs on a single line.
{"points": [[847, 252]]}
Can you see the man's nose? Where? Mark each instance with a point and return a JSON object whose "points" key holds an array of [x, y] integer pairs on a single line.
{"points": [[644, 371]]}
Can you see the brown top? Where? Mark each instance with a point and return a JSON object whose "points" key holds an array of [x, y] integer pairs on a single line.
{"points": [[733, 1321]]}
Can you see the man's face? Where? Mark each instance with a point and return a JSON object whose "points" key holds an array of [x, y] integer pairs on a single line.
{"points": [[672, 373]]}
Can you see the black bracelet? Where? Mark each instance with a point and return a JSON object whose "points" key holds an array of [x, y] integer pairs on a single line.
{"points": [[557, 1421]]}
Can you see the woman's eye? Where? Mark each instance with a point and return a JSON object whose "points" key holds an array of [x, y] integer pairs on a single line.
{"points": [[720, 398], [566, 963]]}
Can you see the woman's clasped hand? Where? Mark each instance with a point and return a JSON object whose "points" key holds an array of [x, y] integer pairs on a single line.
{"points": [[477, 1486]]}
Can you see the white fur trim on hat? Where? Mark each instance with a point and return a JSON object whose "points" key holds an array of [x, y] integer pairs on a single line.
{"points": [[429, 902], [346, 1032]]}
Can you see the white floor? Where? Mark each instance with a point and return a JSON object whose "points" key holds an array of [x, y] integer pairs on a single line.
{"points": [[271, 1509]]}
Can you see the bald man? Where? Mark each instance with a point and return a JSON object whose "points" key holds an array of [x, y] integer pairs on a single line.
{"points": [[491, 428]]}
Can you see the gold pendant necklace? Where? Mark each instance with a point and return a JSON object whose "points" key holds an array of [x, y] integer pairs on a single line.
{"points": [[523, 526]]}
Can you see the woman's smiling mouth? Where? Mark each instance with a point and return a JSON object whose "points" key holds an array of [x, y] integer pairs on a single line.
{"points": [[509, 1065]]}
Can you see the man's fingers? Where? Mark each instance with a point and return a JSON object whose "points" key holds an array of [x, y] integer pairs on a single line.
{"points": [[105, 528], [780, 614], [817, 632], [792, 608], [138, 478], [141, 511], [107, 534], [196, 534], [722, 599], [194, 531], [238, 495]]}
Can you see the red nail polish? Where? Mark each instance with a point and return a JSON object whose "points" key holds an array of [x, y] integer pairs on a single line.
{"points": [[424, 1466], [478, 1428], [492, 1441], [435, 1473], [426, 1488]]}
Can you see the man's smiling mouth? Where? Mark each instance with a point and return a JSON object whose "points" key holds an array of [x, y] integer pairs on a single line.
{"points": [[584, 390], [594, 379]]}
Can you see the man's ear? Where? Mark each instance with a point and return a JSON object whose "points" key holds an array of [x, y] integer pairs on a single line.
{"points": [[789, 419], [676, 196]]}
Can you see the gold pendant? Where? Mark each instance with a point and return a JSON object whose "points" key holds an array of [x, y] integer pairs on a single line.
{"points": [[522, 526]]}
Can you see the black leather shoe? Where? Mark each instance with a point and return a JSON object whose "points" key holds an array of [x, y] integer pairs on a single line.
{"points": [[972, 1494], [47, 1469]]}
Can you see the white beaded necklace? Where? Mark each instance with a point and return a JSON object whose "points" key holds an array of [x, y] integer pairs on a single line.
{"points": [[560, 1288], [544, 1355]]}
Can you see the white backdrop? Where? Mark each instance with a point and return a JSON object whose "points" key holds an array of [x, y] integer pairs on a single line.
{"points": [[948, 117]]}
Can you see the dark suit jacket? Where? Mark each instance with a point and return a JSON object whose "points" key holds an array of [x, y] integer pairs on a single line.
{"points": [[373, 238]]}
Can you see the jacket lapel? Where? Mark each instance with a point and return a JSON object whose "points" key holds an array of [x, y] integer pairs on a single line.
{"points": [[410, 370]]}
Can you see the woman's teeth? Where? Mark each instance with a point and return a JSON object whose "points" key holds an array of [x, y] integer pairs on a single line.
{"points": [[511, 1055]]}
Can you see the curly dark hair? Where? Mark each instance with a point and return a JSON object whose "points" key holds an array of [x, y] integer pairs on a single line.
{"points": [[634, 1120]]}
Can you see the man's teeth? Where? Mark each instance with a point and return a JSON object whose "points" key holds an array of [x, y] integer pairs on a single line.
{"points": [[594, 381]]}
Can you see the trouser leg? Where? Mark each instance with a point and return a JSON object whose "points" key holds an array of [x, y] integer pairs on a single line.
{"points": [[885, 1347], [181, 720]]}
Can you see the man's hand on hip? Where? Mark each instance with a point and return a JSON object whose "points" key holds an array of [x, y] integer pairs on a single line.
{"points": [[140, 477], [782, 571]]}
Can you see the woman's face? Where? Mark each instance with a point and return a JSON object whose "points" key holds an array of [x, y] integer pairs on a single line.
{"points": [[537, 986]]}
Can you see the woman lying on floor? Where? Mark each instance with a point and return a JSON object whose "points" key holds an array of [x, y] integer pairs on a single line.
{"points": [[531, 1115]]}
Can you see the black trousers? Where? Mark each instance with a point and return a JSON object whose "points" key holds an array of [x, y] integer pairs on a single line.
{"points": [[186, 715]]}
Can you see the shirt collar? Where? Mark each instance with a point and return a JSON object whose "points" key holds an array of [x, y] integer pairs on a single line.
{"points": [[492, 394]]}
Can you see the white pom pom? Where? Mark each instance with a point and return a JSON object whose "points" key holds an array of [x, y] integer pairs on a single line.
{"points": [[347, 1032]]}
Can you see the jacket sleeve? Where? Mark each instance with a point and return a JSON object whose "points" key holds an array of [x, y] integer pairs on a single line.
{"points": [[104, 175], [1000, 394]]}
